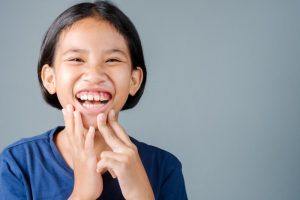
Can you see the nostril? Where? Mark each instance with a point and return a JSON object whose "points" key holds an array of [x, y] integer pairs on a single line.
{"points": [[95, 77]]}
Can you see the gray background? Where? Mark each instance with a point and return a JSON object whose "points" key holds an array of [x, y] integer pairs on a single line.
{"points": [[223, 91]]}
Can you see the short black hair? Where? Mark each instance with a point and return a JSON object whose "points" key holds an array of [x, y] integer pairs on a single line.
{"points": [[108, 12]]}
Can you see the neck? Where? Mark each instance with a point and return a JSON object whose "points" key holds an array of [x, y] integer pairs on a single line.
{"points": [[99, 143]]}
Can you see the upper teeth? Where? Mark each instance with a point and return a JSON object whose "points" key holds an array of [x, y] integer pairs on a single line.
{"points": [[94, 97]]}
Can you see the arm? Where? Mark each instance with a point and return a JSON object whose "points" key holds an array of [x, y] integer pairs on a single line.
{"points": [[173, 186], [11, 187]]}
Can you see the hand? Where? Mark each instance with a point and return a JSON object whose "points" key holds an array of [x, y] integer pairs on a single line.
{"points": [[124, 160], [88, 184]]}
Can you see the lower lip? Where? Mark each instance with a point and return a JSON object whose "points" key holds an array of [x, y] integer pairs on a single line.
{"points": [[94, 110]]}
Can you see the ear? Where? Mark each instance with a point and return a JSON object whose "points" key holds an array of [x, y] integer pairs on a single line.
{"points": [[136, 80], [48, 78]]}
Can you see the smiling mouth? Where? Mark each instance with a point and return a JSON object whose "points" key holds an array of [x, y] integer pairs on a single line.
{"points": [[93, 99]]}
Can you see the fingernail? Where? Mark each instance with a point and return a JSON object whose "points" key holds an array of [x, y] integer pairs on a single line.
{"points": [[63, 111], [69, 107], [101, 116]]}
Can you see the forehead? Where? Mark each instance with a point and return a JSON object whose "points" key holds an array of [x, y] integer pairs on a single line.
{"points": [[91, 34]]}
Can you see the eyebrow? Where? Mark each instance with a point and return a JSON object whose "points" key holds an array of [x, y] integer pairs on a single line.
{"points": [[75, 51], [114, 50]]}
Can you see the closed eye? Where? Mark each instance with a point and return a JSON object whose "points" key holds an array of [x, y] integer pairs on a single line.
{"points": [[76, 60], [113, 60]]}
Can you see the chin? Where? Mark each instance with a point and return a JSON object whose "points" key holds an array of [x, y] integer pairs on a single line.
{"points": [[91, 121]]}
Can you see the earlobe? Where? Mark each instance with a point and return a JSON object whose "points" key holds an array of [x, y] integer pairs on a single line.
{"points": [[48, 78], [136, 80]]}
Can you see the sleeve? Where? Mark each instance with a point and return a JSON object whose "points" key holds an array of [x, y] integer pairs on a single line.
{"points": [[173, 187], [11, 186]]}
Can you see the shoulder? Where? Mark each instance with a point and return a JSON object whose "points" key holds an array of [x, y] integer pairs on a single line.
{"points": [[24, 147], [164, 171], [156, 155]]}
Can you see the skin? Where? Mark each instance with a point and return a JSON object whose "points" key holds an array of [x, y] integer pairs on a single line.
{"points": [[94, 143]]}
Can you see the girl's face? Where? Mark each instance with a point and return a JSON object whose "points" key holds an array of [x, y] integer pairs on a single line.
{"points": [[92, 69]]}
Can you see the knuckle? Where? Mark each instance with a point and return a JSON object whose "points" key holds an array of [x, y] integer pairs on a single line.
{"points": [[103, 154], [112, 119], [123, 165], [103, 128], [126, 160], [110, 136], [134, 147], [103, 160], [102, 125], [131, 152]]}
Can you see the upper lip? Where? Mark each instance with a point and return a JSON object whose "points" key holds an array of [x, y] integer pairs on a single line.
{"points": [[95, 89]]}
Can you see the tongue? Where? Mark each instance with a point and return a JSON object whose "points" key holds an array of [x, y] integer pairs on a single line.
{"points": [[92, 102], [95, 102]]}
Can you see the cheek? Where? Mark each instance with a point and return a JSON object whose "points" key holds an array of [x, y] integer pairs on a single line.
{"points": [[64, 85], [122, 84], [65, 76]]}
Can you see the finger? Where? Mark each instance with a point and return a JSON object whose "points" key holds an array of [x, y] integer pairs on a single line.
{"points": [[112, 173], [78, 132], [69, 123], [101, 169], [118, 129], [70, 120], [108, 135], [89, 141], [114, 155], [109, 163], [65, 120]]}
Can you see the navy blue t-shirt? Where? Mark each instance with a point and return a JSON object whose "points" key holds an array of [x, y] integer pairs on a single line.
{"points": [[33, 168]]}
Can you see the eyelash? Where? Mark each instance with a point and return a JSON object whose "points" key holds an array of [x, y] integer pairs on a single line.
{"points": [[76, 60], [113, 60], [80, 60]]}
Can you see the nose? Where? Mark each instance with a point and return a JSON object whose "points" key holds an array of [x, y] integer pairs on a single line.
{"points": [[95, 74]]}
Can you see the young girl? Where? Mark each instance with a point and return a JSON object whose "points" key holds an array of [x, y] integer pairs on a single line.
{"points": [[91, 66]]}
